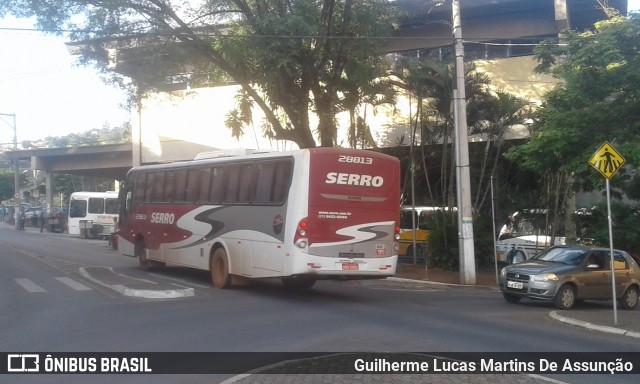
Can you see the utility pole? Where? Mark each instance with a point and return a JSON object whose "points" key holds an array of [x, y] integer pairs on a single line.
{"points": [[463, 178], [15, 170]]}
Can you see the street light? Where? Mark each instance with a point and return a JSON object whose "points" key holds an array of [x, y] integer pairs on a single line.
{"points": [[15, 170]]}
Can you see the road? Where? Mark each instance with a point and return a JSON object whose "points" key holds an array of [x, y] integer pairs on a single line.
{"points": [[49, 306]]}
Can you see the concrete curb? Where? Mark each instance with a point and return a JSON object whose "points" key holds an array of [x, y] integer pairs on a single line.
{"points": [[429, 282], [594, 327], [143, 293]]}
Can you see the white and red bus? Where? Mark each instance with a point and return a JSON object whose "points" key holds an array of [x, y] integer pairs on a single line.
{"points": [[323, 213]]}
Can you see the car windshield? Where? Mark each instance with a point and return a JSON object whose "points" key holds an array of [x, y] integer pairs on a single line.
{"points": [[561, 255]]}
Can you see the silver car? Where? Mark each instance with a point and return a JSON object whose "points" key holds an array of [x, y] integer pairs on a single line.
{"points": [[569, 274]]}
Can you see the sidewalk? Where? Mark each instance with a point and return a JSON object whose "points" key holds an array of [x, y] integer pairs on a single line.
{"points": [[596, 317]]}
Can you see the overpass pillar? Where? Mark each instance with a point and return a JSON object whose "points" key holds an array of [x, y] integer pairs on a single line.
{"points": [[48, 183]]}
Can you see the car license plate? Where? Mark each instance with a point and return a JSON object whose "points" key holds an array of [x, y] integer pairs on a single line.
{"points": [[515, 284], [350, 266]]}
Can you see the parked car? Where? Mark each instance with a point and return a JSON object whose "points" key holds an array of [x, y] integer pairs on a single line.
{"points": [[569, 274], [29, 213]]}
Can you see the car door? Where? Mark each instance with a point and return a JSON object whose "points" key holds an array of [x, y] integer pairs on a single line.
{"points": [[623, 273], [592, 278]]}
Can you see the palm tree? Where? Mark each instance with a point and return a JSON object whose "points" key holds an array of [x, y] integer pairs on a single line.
{"points": [[494, 115]]}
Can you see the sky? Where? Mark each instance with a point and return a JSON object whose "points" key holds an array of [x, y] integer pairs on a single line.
{"points": [[49, 94]]}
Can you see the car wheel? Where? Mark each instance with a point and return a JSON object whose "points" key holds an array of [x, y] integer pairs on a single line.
{"points": [[565, 298], [629, 299], [511, 298]]}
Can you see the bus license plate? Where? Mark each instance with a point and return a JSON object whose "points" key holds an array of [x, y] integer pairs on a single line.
{"points": [[350, 266], [515, 284]]}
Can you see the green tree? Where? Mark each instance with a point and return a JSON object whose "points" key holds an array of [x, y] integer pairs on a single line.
{"points": [[597, 100], [105, 135], [289, 57], [7, 182]]}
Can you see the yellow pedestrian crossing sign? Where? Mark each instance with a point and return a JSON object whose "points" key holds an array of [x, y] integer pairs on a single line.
{"points": [[606, 160]]}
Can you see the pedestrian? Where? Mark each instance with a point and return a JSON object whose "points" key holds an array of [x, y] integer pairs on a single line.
{"points": [[42, 220], [21, 218]]}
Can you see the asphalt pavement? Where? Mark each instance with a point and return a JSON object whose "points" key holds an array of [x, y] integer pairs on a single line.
{"points": [[595, 319]]}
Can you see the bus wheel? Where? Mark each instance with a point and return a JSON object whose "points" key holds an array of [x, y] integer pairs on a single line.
{"points": [[141, 254], [299, 283], [220, 276]]}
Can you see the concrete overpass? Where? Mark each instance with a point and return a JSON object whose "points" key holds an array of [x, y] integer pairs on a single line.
{"points": [[109, 161]]}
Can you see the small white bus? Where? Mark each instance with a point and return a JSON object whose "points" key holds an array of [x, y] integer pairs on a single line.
{"points": [[93, 214]]}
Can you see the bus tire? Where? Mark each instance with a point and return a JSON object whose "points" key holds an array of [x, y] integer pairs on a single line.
{"points": [[220, 276], [298, 283]]}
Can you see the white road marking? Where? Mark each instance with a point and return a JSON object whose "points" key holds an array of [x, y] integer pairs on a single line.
{"points": [[73, 284], [29, 285]]}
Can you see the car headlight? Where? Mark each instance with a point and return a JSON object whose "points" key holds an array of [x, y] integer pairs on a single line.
{"points": [[503, 272], [545, 277]]}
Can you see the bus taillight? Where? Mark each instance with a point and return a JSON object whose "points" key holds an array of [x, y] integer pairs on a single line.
{"points": [[396, 235], [300, 239]]}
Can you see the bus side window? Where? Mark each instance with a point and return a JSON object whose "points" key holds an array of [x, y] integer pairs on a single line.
{"points": [[158, 186], [193, 187], [246, 185], [204, 174], [181, 186], [264, 184], [139, 188], [232, 176], [169, 185], [148, 195], [217, 181], [282, 182]]}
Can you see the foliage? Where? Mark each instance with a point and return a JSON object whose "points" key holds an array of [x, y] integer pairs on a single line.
{"points": [[443, 242], [598, 100], [625, 221], [7, 182], [430, 84], [106, 135], [288, 56]]}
